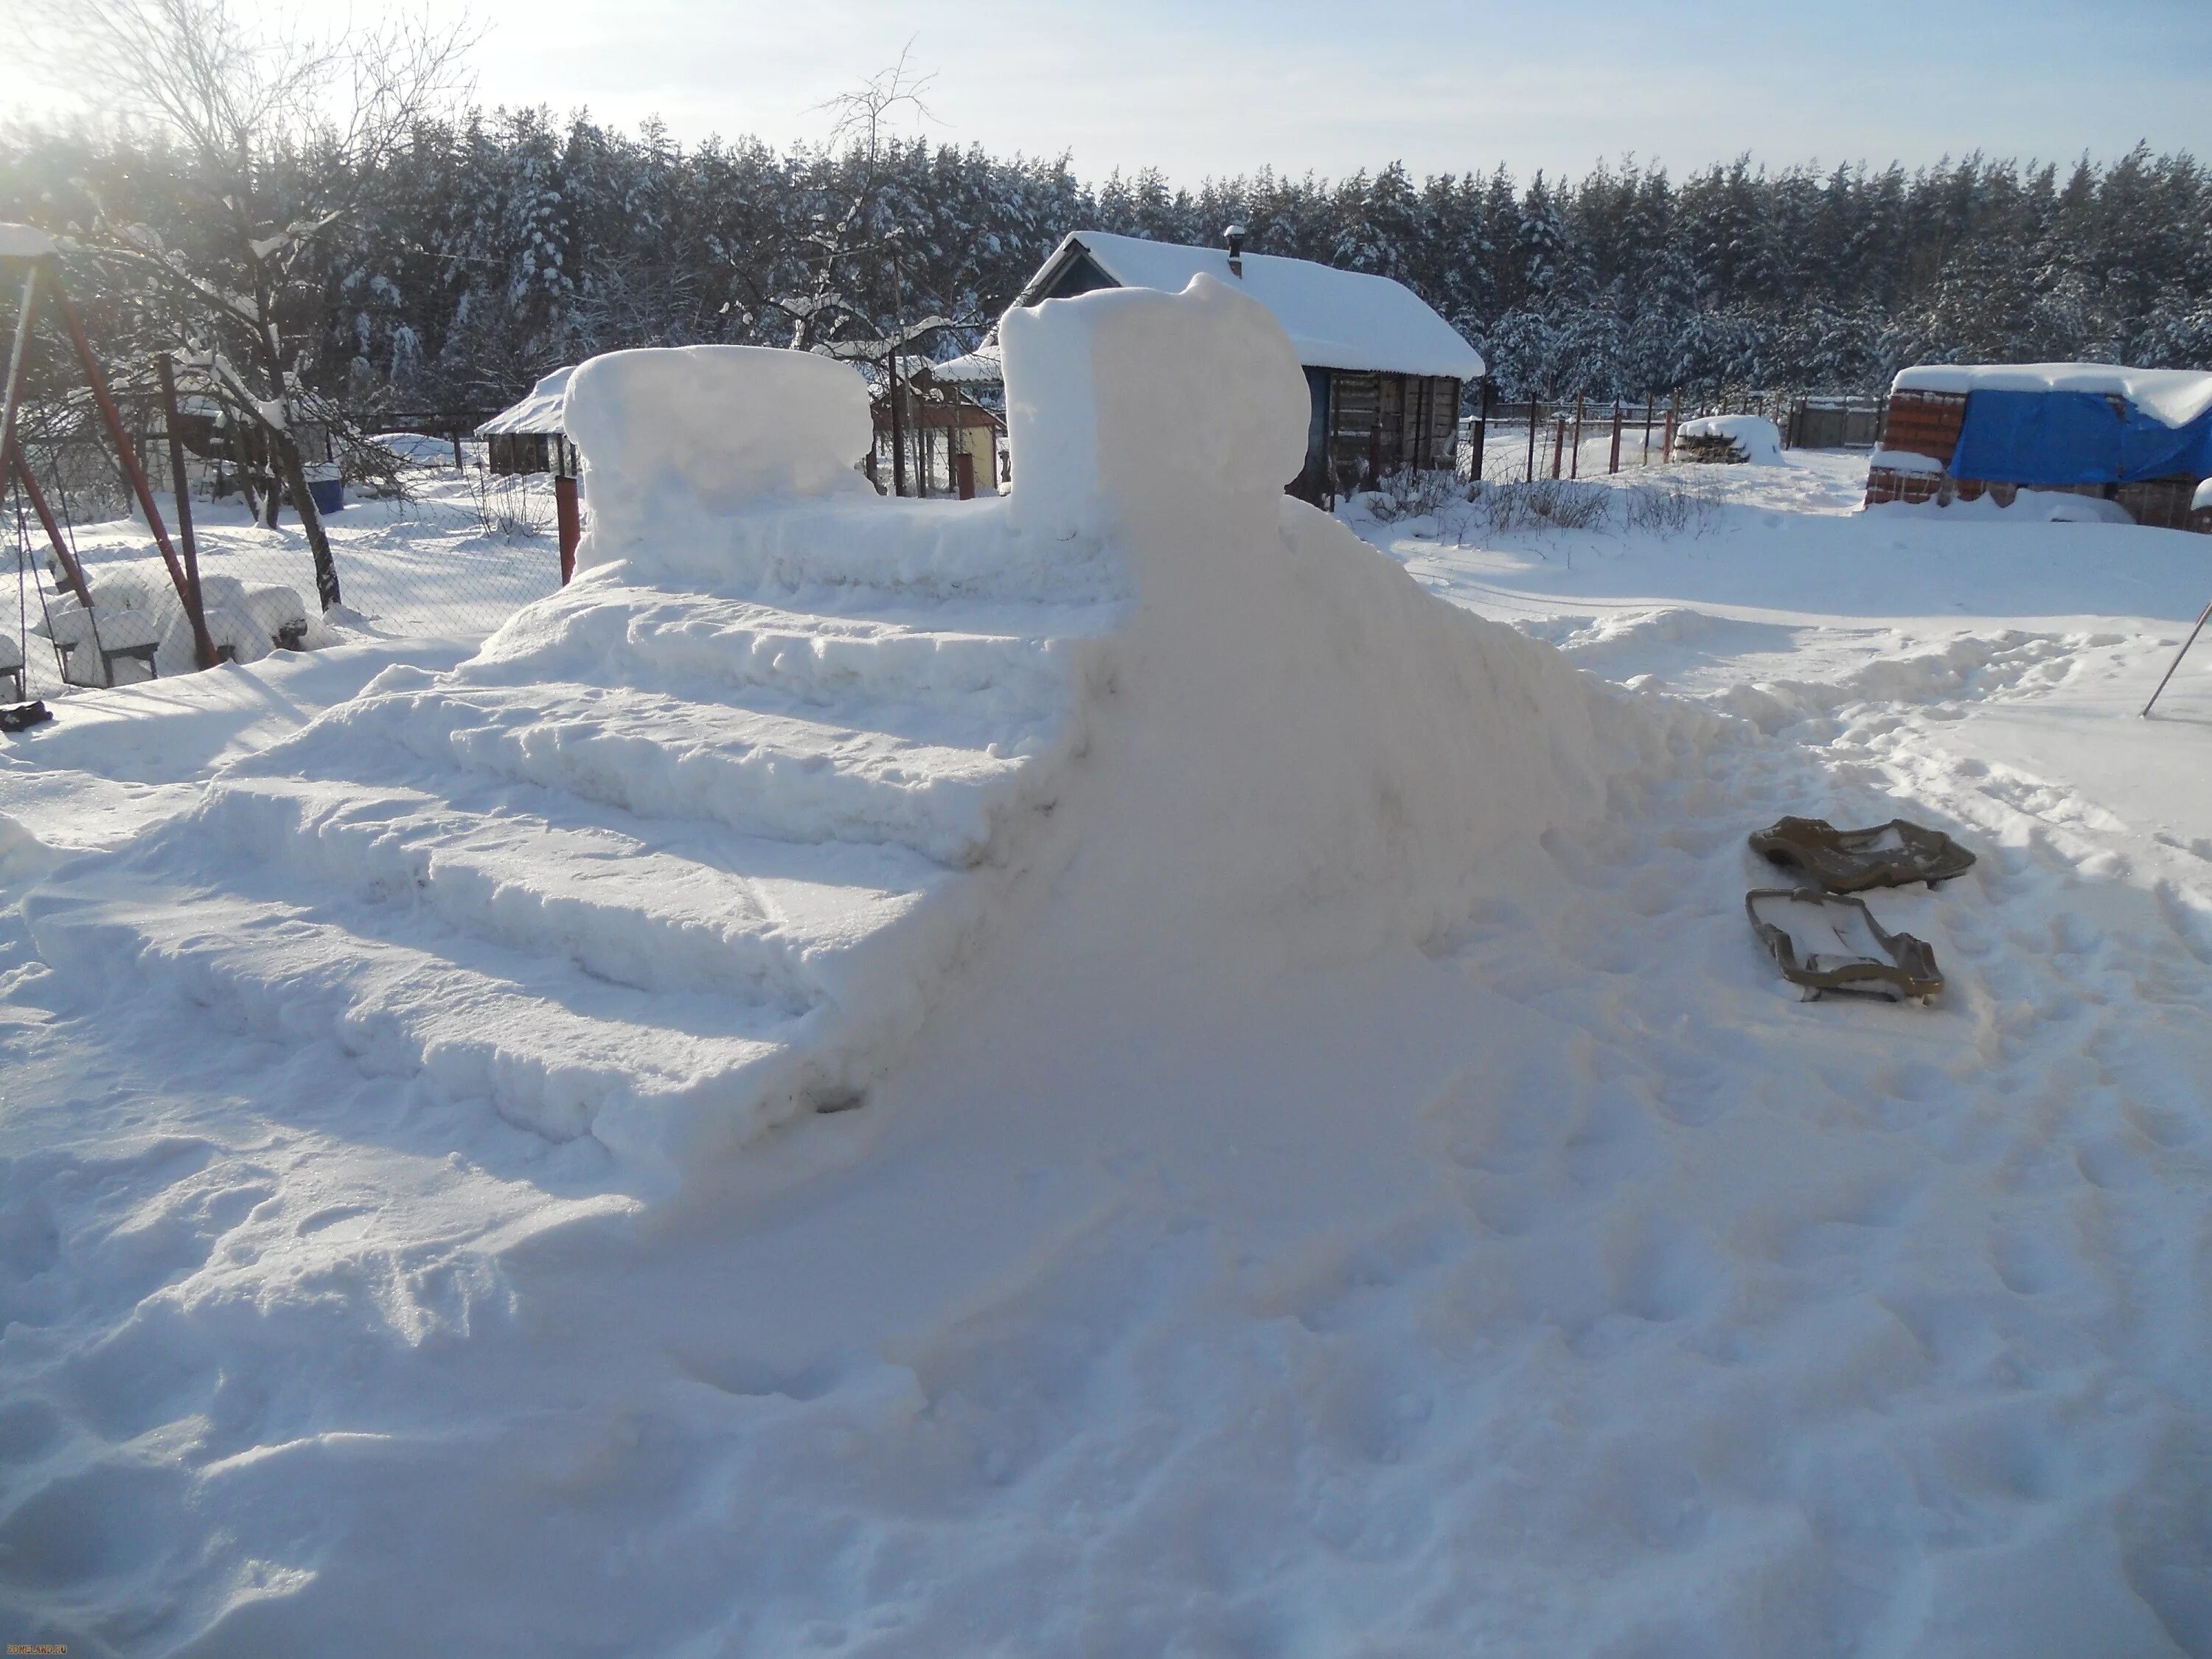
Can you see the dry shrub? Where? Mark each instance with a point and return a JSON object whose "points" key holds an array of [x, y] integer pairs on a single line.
{"points": [[508, 506], [1410, 495], [1544, 504], [1670, 509]]}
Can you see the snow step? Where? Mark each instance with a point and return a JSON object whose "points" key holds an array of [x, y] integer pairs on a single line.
{"points": [[866, 550], [656, 755], [617, 906], [552, 1048], [992, 685]]}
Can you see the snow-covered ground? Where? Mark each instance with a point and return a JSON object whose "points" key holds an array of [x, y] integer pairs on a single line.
{"points": [[454, 559], [1341, 1179]]}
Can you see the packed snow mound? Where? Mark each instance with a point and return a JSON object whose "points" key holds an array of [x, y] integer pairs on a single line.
{"points": [[2063, 506], [2031, 506], [1093, 456], [711, 427], [1758, 438], [695, 845]]}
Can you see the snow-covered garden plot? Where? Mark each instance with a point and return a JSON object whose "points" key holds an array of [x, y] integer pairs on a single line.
{"points": [[1306, 1155]]}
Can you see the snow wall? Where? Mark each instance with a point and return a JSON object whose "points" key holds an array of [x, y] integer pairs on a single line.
{"points": [[697, 845]]}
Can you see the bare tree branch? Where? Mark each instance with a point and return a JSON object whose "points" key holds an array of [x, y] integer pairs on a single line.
{"points": [[283, 130]]}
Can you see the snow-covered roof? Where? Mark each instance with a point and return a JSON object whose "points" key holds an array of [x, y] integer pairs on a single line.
{"points": [[981, 366], [2172, 397], [415, 448], [538, 413], [25, 242], [1335, 319]]}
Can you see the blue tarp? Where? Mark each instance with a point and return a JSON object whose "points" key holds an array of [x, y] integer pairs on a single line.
{"points": [[2075, 438]]}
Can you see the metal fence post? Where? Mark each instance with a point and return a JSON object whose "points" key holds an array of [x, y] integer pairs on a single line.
{"points": [[568, 512], [195, 602], [1481, 431]]}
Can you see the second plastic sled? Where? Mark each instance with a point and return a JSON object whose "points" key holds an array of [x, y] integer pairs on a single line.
{"points": [[1822, 942]]}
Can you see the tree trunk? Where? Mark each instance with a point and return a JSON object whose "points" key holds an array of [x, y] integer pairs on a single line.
{"points": [[295, 479]]}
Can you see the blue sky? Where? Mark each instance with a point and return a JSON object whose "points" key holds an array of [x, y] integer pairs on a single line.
{"points": [[1198, 89]]}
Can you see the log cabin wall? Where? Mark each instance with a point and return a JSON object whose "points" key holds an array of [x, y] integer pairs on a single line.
{"points": [[1380, 423]]}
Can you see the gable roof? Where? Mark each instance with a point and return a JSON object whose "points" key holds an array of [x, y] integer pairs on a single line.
{"points": [[540, 412], [25, 242], [1335, 319], [981, 366]]}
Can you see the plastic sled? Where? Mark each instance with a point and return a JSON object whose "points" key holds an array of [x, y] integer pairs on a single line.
{"points": [[1823, 943], [1893, 854]]}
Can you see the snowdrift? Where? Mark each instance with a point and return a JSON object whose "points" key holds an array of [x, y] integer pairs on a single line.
{"points": [[1757, 440], [695, 845]]}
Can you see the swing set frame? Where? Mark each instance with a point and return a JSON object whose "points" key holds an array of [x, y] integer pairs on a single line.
{"points": [[35, 253]]}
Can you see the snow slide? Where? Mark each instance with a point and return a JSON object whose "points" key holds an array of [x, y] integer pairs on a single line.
{"points": [[691, 847]]}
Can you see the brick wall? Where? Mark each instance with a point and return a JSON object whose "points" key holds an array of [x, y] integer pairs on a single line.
{"points": [[1925, 423]]}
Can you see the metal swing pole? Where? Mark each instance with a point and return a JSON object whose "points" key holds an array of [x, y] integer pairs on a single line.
{"points": [[12, 399], [62, 556], [45, 613], [187, 592], [2202, 618]]}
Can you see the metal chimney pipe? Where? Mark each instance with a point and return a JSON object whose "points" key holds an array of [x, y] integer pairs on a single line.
{"points": [[1235, 234]]}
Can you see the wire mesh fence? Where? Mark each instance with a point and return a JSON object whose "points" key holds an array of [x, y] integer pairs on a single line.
{"points": [[1581, 438], [420, 549]]}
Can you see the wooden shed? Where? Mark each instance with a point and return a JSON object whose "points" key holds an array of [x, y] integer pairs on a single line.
{"points": [[531, 436], [2139, 437], [1384, 372]]}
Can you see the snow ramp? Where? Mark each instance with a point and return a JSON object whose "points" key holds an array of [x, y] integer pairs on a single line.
{"points": [[694, 846]]}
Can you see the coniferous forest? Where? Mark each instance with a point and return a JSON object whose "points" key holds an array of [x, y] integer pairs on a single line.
{"points": [[497, 245]]}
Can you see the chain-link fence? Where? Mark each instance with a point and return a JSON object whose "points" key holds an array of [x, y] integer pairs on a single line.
{"points": [[421, 547]]}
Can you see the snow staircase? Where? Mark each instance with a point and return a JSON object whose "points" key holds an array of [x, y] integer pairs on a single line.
{"points": [[688, 847], [660, 856]]}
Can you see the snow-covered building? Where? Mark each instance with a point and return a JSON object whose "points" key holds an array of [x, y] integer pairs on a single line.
{"points": [[1383, 371], [528, 436], [2140, 437], [531, 435]]}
